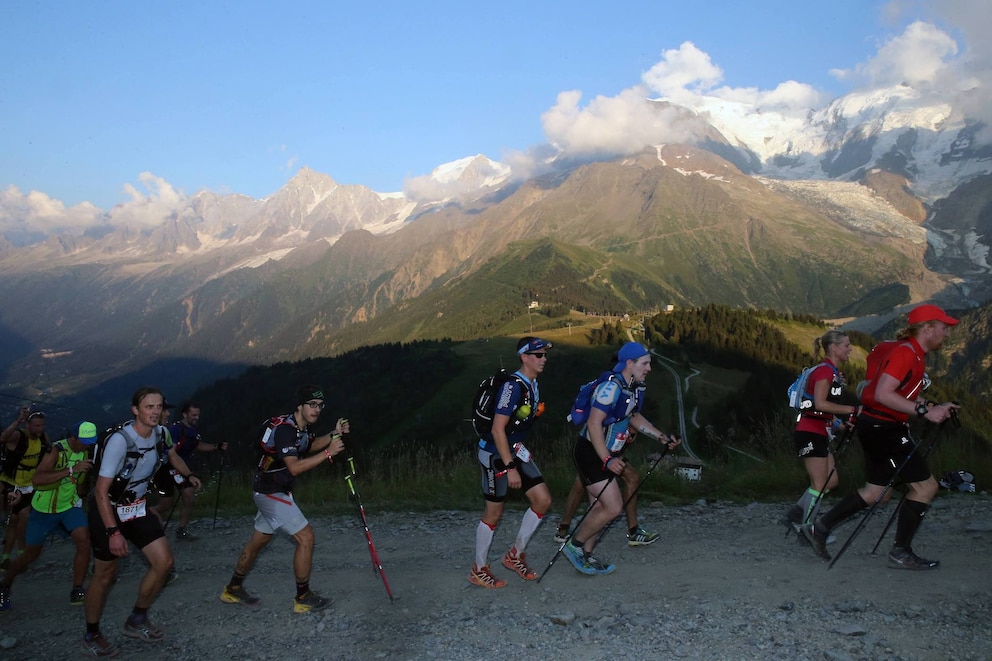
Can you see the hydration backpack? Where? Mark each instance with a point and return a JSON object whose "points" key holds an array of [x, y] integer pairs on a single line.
{"points": [[799, 399], [118, 491], [267, 445], [484, 403], [877, 359], [10, 460], [582, 406]]}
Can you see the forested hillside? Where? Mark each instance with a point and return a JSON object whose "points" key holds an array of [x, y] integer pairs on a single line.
{"points": [[414, 398]]}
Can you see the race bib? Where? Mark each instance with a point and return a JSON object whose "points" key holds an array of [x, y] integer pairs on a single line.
{"points": [[133, 511], [618, 441], [176, 476], [521, 452]]}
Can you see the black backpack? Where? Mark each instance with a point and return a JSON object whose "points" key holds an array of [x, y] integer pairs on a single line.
{"points": [[484, 403], [118, 490]]}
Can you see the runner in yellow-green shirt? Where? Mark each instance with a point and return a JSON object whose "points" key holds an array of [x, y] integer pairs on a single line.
{"points": [[57, 506]]}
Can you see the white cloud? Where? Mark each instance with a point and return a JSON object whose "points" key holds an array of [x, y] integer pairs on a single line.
{"points": [[686, 77], [37, 212], [148, 209], [919, 56], [682, 72], [426, 189], [621, 124]]}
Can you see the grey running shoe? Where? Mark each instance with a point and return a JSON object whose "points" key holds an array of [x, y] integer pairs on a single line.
{"points": [[98, 647], [641, 537], [598, 566], [903, 558], [145, 631], [561, 534], [817, 540]]}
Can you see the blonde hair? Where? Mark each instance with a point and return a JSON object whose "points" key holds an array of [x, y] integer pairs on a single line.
{"points": [[820, 344]]}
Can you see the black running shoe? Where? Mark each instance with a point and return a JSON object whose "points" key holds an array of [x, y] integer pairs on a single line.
{"points": [[903, 558], [817, 540], [793, 517]]}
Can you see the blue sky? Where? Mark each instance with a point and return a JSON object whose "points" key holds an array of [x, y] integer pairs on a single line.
{"points": [[237, 96]]}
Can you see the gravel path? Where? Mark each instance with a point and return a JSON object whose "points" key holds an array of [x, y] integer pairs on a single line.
{"points": [[722, 583]]}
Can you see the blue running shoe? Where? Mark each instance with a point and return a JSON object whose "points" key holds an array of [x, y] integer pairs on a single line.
{"points": [[576, 556]]}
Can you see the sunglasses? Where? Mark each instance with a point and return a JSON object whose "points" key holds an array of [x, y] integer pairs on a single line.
{"points": [[316, 405], [538, 354]]}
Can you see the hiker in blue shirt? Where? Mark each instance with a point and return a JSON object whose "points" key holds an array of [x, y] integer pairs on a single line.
{"points": [[506, 463], [616, 405]]}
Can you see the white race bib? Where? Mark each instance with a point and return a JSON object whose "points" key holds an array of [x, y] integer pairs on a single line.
{"points": [[133, 511], [521, 452]]}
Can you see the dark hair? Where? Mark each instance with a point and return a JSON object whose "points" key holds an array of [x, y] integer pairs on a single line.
{"points": [[143, 392], [189, 405]]}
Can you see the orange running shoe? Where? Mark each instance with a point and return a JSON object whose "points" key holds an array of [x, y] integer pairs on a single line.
{"points": [[482, 577], [518, 563]]}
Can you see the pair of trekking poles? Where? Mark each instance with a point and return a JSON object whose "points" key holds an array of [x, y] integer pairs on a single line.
{"points": [[606, 529], [930, 444]]}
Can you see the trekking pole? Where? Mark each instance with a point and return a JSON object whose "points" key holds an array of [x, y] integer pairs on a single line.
{"points": [[177, 497], [631, 497], [895, 512], [885, 490], [220, 476], [376, 563], [568, 537]]}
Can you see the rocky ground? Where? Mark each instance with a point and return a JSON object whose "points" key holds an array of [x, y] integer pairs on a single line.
{"points": [[722, 583]]}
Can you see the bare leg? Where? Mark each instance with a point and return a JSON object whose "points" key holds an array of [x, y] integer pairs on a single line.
{"points": [[250, 552], [303, 558]]}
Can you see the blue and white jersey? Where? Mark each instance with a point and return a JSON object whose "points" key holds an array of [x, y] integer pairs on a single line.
{"points": [[618, 401]]}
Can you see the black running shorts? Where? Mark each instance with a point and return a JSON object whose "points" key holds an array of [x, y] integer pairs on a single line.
{"points": [[886, 446]]}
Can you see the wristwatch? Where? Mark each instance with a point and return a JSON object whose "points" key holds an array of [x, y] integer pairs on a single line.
{"points": [[922, 410]]}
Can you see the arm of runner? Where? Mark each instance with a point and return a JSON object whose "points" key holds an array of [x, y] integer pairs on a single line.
{"points": [[821, 390], [887, 396], [500, 422], [595, 432], [644, 426], [101, 497], [46, 474], [9, 436], [179, 464], [326, 442]]}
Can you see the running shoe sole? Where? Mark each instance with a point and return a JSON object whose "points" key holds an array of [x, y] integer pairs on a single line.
{"points": [[246, 599]]}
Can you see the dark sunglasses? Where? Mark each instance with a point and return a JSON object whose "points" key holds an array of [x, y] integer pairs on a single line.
{"points": [[538, 354]]}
